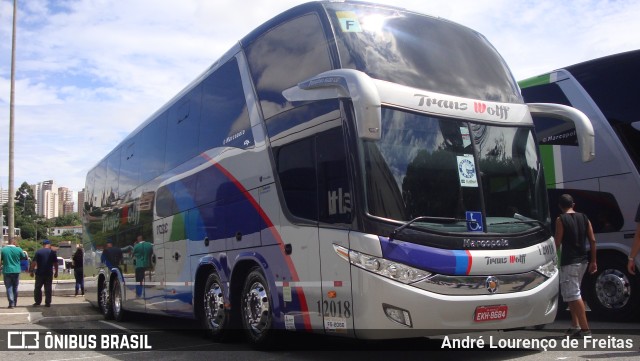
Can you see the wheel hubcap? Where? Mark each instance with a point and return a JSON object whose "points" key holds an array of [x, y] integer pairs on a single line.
{"points": [[104, 298], [256, 307], [214, 306], [117, 300], [613, 289]]}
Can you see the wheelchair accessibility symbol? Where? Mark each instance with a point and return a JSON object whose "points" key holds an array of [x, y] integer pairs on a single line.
{"points": [[474, 221]]}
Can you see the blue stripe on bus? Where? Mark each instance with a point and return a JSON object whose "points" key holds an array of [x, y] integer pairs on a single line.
{"points": [[445, 261]]}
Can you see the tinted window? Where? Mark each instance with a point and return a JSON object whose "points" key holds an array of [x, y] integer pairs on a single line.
{"points": [[314, 177], [129, 171], [283, 57], [333, 178], [278, 126], [151, 145], [224, 119], [295, 164], [89, 190], [100, 184], [550, 130], [182, 129], [421, 51], [601, 208], [113, 172], [614, 84]]}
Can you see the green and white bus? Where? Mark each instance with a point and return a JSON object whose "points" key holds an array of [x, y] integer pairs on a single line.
{"points": [[607, 189]]}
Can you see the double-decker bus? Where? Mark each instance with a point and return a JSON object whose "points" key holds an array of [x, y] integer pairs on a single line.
{"points": [[346, 168], [607, 189]]}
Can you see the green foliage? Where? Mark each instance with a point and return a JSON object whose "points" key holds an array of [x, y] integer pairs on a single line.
{"points": [[33, 226]]}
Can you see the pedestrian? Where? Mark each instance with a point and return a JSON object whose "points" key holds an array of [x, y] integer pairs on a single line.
{"points": [[111, 256], [10, 262], [572, 228], [635, 248], [142, 253], [45, 264], [77, 261]]}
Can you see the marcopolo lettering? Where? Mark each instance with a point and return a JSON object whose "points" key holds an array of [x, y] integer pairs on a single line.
{"points": [[488, 243]]}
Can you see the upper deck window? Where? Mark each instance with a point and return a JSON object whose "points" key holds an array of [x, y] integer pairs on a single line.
{"points": [[422, 52], [284, 56]]}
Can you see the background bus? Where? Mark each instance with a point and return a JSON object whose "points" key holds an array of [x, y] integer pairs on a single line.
{"points": [[332, 173], [607, 189]]}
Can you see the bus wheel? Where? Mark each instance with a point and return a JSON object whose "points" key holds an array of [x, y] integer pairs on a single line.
{"points": [[256, 309], [610, 292], [105, 300], [216, 317], [116, 300]]}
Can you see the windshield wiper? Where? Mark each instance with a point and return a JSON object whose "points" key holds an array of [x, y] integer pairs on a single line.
{"points": [[442, 220]]}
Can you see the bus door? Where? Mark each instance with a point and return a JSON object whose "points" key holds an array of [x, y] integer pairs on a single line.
{"points": [[177, 269], [334, 216], [154, 273]]}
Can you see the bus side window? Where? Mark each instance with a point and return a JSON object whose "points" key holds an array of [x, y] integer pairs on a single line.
{"points": [[334, 193], [297, 173]]}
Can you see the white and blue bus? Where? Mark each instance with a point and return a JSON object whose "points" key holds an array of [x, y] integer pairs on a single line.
{"points": [[346, 168], [607, 189]]}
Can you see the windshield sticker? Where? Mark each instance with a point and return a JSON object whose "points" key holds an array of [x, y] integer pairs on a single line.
{"points": [[467, 171], [349, 22], [474, 221], [466, 137]]}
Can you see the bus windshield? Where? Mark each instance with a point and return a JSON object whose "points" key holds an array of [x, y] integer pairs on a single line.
{"points": [[425, 166], [422, 52]]}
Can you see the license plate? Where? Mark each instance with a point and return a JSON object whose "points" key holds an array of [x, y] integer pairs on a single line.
{"points": [[490, 313]]}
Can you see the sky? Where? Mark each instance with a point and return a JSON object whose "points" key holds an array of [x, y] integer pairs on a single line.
{"points": [[88, 72]]}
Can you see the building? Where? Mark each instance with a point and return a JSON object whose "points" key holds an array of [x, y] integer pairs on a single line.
{"points": [[4, 196], [59, 231], [47, 199], [65, 197], [81, 203]]}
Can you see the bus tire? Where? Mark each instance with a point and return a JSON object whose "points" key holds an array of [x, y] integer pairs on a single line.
{"points": [[611, 293], [104, 297], [116, 300], [257, 310], [215, 316]]}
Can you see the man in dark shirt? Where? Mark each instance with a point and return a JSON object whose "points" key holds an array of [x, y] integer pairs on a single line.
{"points": [[111, 256], [572, 230], [45, 263]]}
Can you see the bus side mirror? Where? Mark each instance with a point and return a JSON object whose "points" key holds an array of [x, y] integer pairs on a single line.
{"points": [[584, 128], [349, 84]]}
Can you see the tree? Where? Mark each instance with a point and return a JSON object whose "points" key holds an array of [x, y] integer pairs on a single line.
{"points": [[25, 201]]}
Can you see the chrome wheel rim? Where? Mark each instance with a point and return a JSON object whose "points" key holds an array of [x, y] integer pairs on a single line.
{"points": [[214, 306], [613, 289], [256, 308]]}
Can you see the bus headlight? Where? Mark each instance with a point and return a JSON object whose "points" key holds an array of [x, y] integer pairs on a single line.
{"points": [[548, 269], [383, 267]]}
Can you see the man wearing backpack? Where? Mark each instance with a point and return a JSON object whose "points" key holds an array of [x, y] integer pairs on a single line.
{"points": [[572, 229]]}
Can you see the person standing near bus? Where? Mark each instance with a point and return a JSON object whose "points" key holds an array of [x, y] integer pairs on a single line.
{"points": [[78, 268], [45, 264], [142, 253], [10, 262], [635, 248], [571, 230]]}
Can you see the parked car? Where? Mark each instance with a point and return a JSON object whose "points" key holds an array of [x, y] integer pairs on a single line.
{"points": [[61, 265]]}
